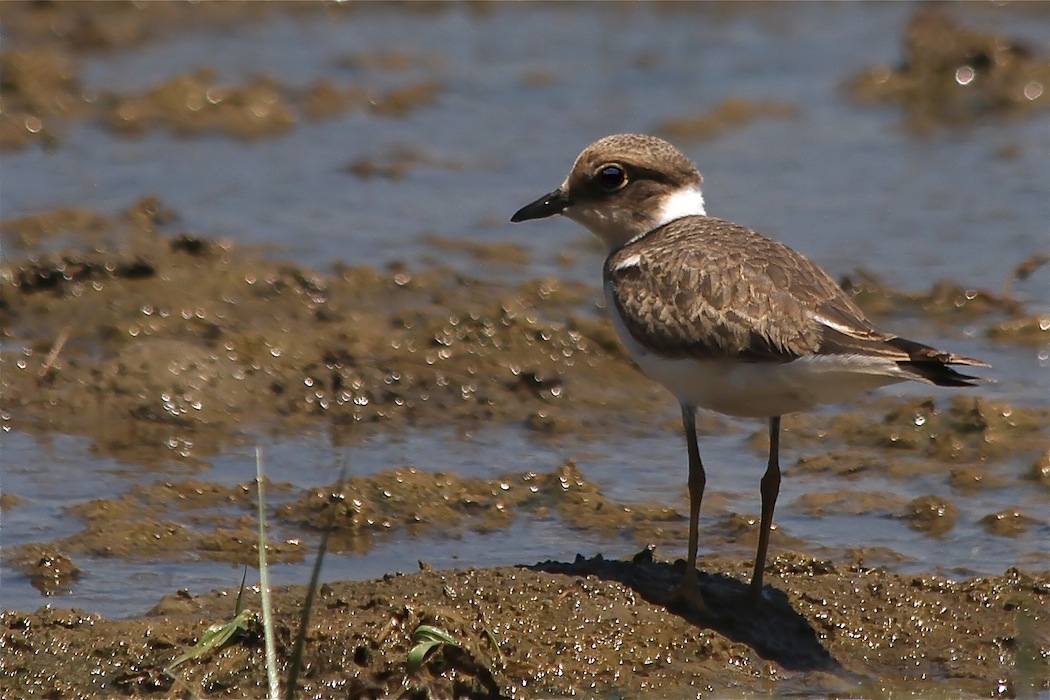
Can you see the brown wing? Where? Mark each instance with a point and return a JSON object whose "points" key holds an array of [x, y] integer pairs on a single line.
{"points": [[703, 287]]}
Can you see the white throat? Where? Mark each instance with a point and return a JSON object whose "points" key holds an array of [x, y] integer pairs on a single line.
{"points": [[688, 201]]}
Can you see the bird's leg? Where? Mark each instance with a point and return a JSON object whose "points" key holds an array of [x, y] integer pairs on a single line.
{"points": [[697, 480], [770, 490]]}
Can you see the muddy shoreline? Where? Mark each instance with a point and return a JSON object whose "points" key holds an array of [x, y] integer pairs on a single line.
{"points": [[170, 338], [583, 628], [164, 346]]}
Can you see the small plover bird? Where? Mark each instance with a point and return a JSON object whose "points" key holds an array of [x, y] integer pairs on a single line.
{"points": [[725, 318]]}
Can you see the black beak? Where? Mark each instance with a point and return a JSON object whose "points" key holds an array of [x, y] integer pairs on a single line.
{"points": [[547, 205]]}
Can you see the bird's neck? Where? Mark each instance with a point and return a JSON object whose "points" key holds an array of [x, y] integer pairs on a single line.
{"points": [[687, 201]]}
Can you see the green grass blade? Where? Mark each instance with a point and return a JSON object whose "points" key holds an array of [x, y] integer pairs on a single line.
{"points": [[213, 638], [417, 655], [264, 584], [239, 605], [427, 633]]}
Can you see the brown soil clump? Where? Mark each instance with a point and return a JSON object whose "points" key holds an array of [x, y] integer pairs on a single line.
{"points": [[42, 93], [195, 103], [176, 341], [414, 500], [180, 520], [559, 629], [733, 113], [952, 75]]}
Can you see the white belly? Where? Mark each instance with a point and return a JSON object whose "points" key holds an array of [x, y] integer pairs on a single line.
{"points": [[761, 389]]}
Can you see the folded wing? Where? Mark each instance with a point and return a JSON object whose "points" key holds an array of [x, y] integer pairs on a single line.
{"points": [[706, 288]]}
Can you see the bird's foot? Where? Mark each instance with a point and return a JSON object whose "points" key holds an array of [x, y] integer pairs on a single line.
{"points": [[687, 597], [688, 594], [748, 601]]}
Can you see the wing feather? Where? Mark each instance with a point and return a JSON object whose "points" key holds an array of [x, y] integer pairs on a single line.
{"points": [[705, 288]]}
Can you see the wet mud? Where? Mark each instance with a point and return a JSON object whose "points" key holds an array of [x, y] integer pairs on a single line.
{"points": [[952, 75], [162, 345], [43, 95], [558, 629], [177, 341], [733, 113]]}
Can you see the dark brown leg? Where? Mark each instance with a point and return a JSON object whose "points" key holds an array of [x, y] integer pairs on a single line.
{"points": [[697, 481], [770, 490]]}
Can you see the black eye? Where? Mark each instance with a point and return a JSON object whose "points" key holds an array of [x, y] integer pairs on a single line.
{"points": [[612, 177]]}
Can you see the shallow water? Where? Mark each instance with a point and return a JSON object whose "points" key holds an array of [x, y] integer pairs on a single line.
{"points": [[524, 88]]}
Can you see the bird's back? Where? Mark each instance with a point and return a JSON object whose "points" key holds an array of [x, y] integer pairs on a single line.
{"points": [[704, 289]]}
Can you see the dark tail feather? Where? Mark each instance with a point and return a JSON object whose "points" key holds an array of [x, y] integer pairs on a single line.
{"points": [[939, 374], [931, 364]]}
